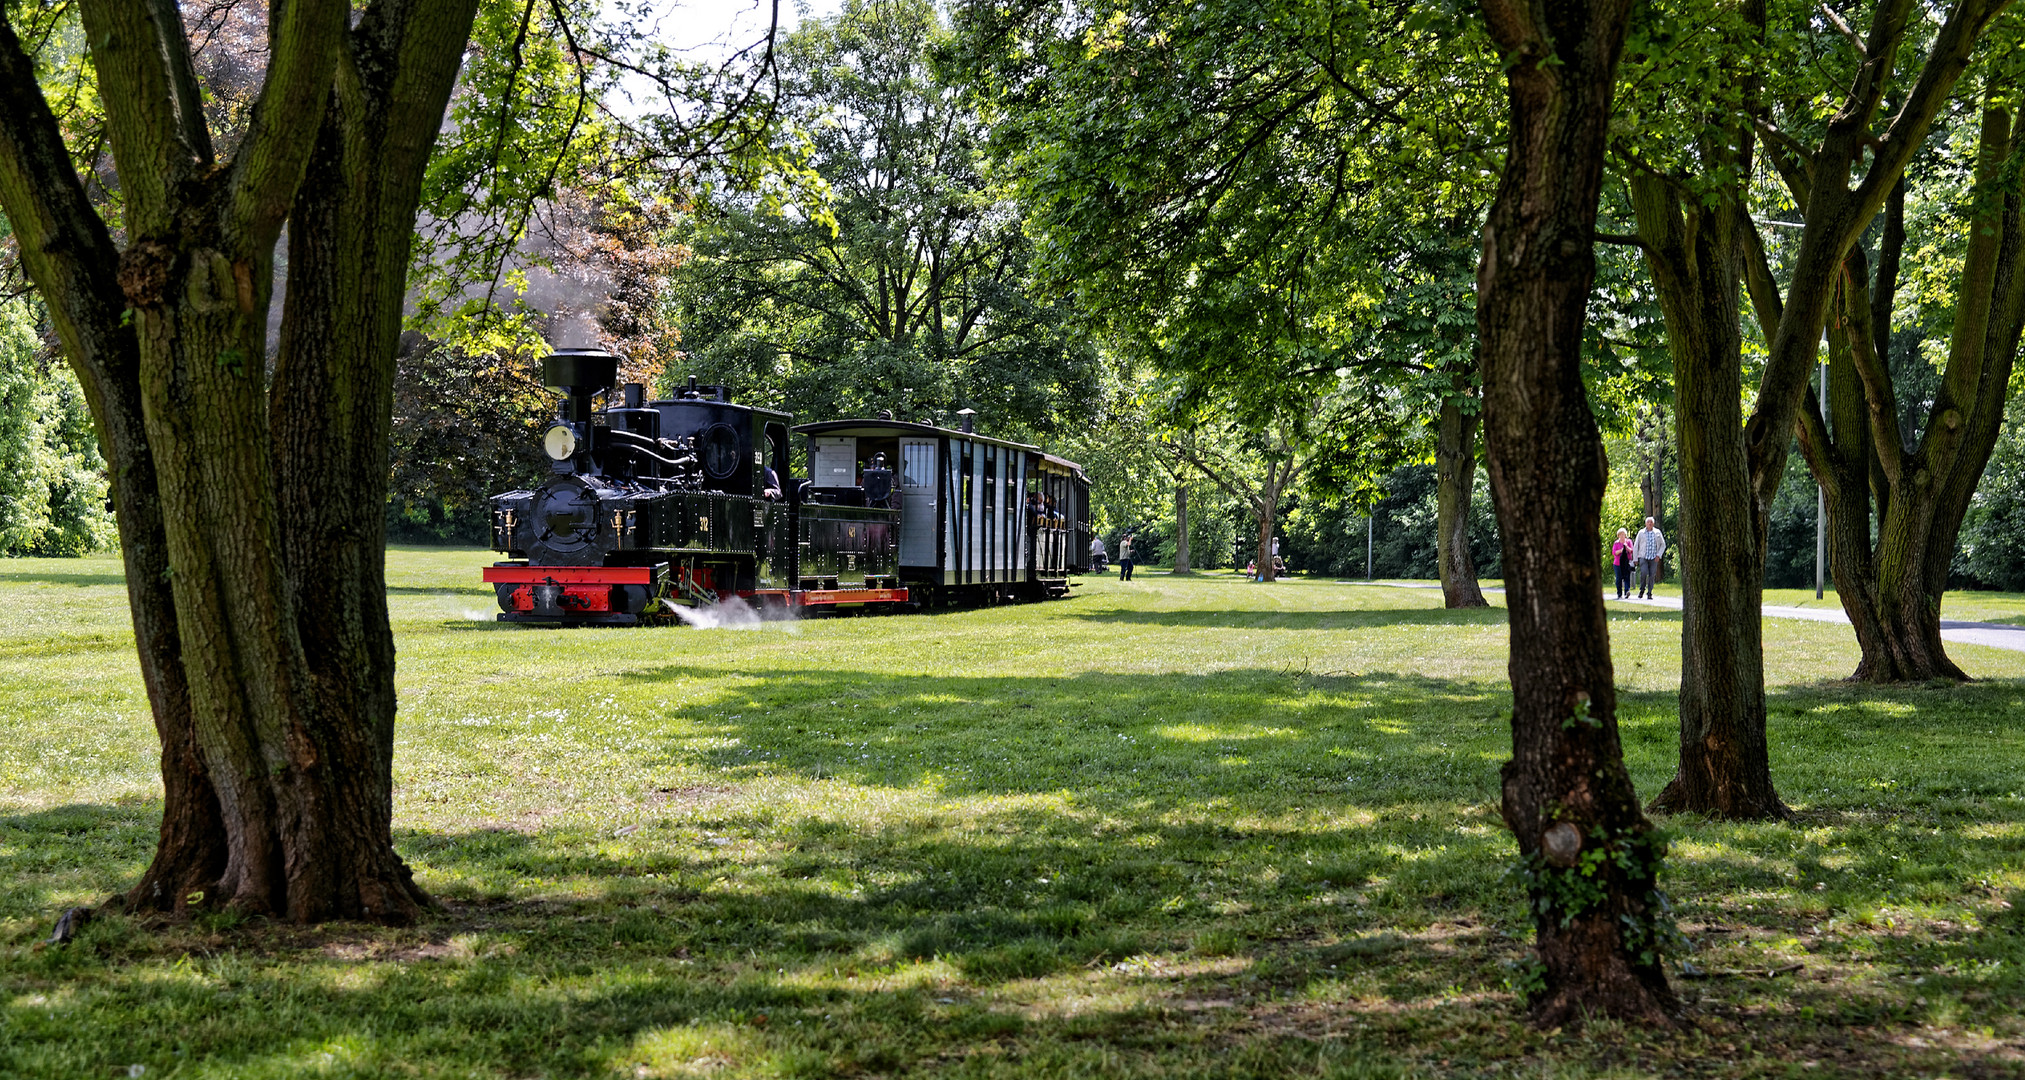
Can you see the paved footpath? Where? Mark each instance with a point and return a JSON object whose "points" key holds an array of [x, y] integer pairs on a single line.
{"points": [[1995, 635]]}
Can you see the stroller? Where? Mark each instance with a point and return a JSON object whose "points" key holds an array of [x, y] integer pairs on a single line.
{"points": [[1100, 562]]}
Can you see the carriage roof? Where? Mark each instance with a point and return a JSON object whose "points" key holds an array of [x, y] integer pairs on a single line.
{"points": [[905, 427]]}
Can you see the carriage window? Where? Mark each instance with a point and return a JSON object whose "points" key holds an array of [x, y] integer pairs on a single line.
{"points": [[917, 464]]}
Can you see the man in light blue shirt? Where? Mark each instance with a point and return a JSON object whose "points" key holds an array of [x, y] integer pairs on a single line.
{"points": [[1647, 547]]}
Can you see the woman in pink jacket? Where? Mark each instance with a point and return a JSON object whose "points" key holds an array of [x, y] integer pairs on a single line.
{"points": [[1621, 559]]}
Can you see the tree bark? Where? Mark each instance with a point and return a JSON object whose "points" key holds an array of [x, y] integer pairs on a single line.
{"points": [[1694, 255], [330, 414], [70, 255], [1455, 466], [1567, 797], [1181, 564], [252, 523], [1891, 586]]}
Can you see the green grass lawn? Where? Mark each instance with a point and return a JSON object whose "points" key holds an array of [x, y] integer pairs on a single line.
{"points": [[1178, 827]]}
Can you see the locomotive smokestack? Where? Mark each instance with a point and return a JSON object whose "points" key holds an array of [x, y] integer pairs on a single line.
{"points": [[635, 395], [580, 375]]}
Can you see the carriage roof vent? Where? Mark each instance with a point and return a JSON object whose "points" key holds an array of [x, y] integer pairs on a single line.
{"points": [[969, 420]]}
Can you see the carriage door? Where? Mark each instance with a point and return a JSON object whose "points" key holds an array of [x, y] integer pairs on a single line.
{"points": [[917, 502]]}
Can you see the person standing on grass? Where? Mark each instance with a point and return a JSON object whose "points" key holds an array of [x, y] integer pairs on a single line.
{"points": [[1125, 554], [1647, 547], [1620, 560]]}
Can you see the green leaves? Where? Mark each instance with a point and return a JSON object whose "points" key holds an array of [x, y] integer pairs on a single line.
{"points": [[901, 279]]}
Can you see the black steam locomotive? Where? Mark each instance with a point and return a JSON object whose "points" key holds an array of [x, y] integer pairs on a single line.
{"points": [[655, 505]]}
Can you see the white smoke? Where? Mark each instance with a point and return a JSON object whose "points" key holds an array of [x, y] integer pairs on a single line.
{"points": [[730, 614]]}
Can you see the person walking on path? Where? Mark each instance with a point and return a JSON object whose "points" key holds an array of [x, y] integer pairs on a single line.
{"points": [[1125, 558], [1620, 560], [1647, 547]]}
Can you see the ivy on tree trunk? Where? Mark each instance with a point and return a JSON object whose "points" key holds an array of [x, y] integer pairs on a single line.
{"points": [[1590, 858]]}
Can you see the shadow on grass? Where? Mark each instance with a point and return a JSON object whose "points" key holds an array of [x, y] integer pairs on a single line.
{"points": [[1243, 873], [1255, 619], [1262, 740], [50, 577], [1350, 619]]}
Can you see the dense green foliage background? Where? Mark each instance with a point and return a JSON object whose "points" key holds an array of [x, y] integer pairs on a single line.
{"points": [[52, 480]]}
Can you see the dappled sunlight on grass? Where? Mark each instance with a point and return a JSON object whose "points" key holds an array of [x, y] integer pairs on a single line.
{"points": [[1164, 828]]}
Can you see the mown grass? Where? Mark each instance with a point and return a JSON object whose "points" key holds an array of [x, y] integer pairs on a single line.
{"points": [[1173, 828]]}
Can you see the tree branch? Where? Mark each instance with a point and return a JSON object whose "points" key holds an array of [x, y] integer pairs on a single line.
{"points": [[64, 244], [135, 85], [268, 166], [1763, 288]]}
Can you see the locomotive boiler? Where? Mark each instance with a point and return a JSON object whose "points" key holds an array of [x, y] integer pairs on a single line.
{"points": [[654, 505]]}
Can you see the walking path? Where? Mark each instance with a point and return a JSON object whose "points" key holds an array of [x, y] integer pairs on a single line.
{"points": [[1995, 635]]}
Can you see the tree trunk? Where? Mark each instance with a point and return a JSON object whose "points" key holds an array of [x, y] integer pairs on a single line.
{"points": [[1696, 263], [1267, 518], [69, 254], [1181, 565], [276, 729], [1567, 796], [190, 851], [331, 420], [1891, 587], [1455, 463]]}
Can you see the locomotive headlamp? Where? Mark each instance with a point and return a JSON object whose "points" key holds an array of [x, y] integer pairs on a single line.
{"points": [[560, 442]]}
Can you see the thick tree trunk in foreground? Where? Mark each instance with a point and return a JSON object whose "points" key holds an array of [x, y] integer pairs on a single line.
{"points": [[1455, 467], [253, 546], [69, 254], [1695, 258], [1181, 564], [1567, 796], [331, 419]]}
